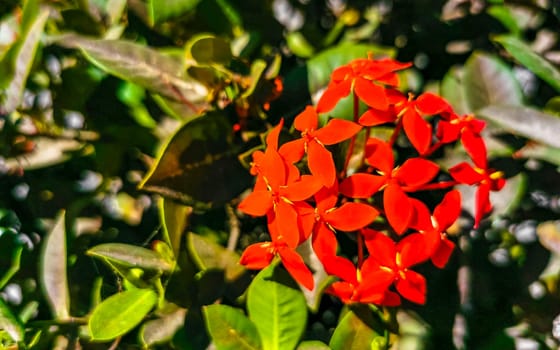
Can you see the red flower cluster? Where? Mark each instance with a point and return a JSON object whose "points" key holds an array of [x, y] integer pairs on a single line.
{"points": [[325, 201]]}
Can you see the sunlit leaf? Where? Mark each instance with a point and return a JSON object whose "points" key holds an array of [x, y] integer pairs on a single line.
{"points": [[159, 73], [16, 63], [127, 255], [356, 331], [199, 165], [10, 323], [489, 81], [525, 121], [277, 308], [53, 269], [298, 44], [209, 255], [210, 49], [119, 313], [530, 59], [313, 345], [161, 330], [549, 235], [230, 329], [162, 10], [174, 220], [452, 90]]}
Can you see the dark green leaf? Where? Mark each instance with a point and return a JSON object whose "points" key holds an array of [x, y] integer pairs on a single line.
{"points": [[230, 329], [505, 15], [356, 331], [174, 220], [144, 66], [526, 122], [277, 308], [53, 269], [162, 10], [209, 255], [210, 49], [199, 165], [127, 255], [487, 81], [530, 59], [452, 90], [161, 330], [16, 64], [10, 323], [119, 313], [320, 67]]}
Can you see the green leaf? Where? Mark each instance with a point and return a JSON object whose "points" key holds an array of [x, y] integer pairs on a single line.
{"points": [[320, 67], [298, 44], [120, 313], [10, 323], [277, 308], [210, 50], [159, 73], [162, 10], [526, 122], [48, 151], [131, 256], [505, 15], [230, 329], [209, 255], [356, 331], [313, 345], [452, 90], [53, 269], [174, 220], [199, 165], [17, 62], [161, 330], [530, 59], [487, 80]]}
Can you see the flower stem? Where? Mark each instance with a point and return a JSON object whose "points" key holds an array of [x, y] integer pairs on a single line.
{"points": [[353, 139], [360, 249]]}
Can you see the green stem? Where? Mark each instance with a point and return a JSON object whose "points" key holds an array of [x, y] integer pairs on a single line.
{"points": [[353, 139]]}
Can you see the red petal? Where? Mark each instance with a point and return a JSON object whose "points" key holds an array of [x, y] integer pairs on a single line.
{"points": [[416, 172], [337, 130], [326, 198], [413, 287], [398, 208], [421, 217], [448, 210], [413, 250], [361, 185], [351, 216], [257, 256], [465, 174], [333, 94], [305, 219], [442, 253], [324, 242], [373, 117], [257, 203], [447, 132], [296, 267], [285, 225], [391, 299], [381, 248], [303, 189], [475, 147], [307, 120], [293, 151], [321, 164], [273, 135], [431, 104], [274, 168], [380, 155], [482, 204], [342, 290], [371, 94], [418, 130], [374, 285], [342, 268]]}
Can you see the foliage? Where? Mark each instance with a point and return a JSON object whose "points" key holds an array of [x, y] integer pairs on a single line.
{"points": [[130, 131]]}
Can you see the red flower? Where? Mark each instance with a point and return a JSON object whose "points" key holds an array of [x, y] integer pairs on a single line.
{"points": [[259, 255], [434, 227], [468, 129], [397, 259], [366, 78], [313, 141], [395, 181]]}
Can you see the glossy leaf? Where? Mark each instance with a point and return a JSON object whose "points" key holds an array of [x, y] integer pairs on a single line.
{"points": [[530, 59], [10, 323], [487, 80], [210, 49], [161, 330], [174, 219], [230, 329], [159, 73], [120, 313], [127, 255], [17, 62], [53, 274], [199, 165], [210, 255], [320, 67], [525, 121], [355, 332], [277, 308], [162, 10]]}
